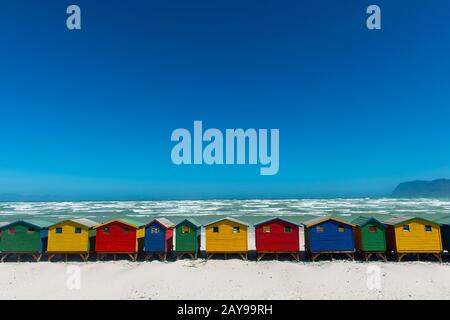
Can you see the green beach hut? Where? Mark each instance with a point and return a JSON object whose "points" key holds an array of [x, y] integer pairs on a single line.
{"points": [[187, 238], [23, 237], [370, 237]]}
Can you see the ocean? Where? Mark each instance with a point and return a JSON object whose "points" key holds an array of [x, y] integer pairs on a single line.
{"points": [[296, 210]]}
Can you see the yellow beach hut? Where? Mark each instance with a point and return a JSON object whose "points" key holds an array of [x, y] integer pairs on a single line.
{"points": [[74, 236], [226, 236], [413, 235]]}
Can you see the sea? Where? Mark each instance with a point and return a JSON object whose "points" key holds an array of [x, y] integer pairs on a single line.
{"points": [[250, 211]]}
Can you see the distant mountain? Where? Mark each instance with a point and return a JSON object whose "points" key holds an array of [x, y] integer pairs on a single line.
{"points": [[439, 188]]}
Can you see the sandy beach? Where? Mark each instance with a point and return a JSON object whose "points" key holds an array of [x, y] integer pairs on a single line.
{"points": [[230, 279]]}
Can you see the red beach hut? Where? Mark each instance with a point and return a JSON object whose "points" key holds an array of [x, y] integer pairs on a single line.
{"points": [[277, 236], [118, 237]]}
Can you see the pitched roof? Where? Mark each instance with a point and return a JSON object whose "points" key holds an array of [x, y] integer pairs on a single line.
{"points": [[81, 222], [191, 221], [86, 222], [166, 223], [130, 222], [4, 223], [362, 221], [229, 219], [403, 219], [39, 224], [276, 218], [134, 222], [318, 220]]}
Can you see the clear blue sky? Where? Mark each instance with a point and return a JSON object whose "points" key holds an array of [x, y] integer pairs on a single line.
{"points": [[89, 114]]}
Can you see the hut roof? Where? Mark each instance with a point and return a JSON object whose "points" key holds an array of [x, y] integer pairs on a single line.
{"points": [[166, 223], [39, 224], [403, 219], [318, 220], [191, 221], [130, 222], [83, 222], [362, 221], [4, 223], [86, 222], [229, 219], [273, 219], [134, 222]]}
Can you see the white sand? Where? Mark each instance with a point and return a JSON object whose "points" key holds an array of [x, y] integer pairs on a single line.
{"points": [[218, 279]]}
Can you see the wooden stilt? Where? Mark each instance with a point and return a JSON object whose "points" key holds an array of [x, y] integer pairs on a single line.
{"points": [[382, 256], [4, 256], [438, 256], [37, 257], [315, 256], [295, 256]]}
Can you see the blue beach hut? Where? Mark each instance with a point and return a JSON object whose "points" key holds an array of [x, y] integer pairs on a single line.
{"points": [[158, 238], [329, 235]]}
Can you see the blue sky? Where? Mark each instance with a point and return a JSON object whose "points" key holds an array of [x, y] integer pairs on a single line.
{"points": [[88, 114]]}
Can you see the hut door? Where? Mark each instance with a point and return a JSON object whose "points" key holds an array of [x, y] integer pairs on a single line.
{"points": [[156, 239]]}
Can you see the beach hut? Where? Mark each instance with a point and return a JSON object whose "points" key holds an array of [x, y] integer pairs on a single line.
{"points": [[187, 238], [326, 235], [158, 238], [445, 233], [370, 237], [119, 236], [23, 237], [277, 236], [226, 236], [73, 236], [413, 235]]}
